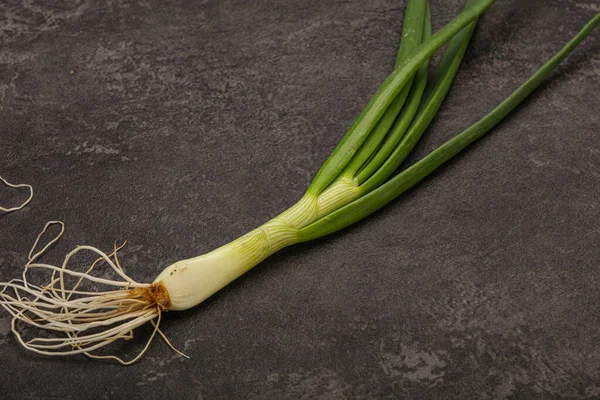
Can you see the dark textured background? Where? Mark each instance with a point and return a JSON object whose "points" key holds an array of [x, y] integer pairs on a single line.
{"points": [[181, 125]]}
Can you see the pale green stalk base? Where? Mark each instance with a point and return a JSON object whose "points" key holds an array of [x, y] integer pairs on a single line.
{"points": [[190, 282]]}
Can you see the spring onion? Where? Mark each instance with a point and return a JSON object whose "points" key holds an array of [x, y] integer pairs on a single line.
{"points": [[355, 181]]}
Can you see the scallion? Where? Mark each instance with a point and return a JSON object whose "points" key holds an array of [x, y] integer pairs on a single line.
{"points": [[355, 181]]}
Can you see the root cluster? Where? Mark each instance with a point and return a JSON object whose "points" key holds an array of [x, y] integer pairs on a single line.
{"points": [[80, 312]]}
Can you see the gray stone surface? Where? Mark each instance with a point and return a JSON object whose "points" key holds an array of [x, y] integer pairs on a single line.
{"points": [[181, 125]]}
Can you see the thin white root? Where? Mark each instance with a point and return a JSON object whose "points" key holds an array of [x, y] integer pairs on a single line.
{"points": [[19, 185], [87, 320]]}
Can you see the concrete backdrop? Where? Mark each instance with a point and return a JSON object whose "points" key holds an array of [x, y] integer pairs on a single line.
{"points": [[181, 125]]}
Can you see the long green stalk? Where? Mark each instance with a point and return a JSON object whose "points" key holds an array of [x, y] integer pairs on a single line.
{"points": [[379, 197]]}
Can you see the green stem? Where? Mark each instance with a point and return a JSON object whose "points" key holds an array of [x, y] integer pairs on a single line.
{"points": [[379, 197]]}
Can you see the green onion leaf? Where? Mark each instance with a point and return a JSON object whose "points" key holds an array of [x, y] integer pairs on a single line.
{"points": [[379, 197]]}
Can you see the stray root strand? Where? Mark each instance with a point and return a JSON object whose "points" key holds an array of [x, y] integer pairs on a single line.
{"points": [[18, 185]]}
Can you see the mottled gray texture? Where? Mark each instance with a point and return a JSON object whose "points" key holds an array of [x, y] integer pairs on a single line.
{"points": [[181, 125]]}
